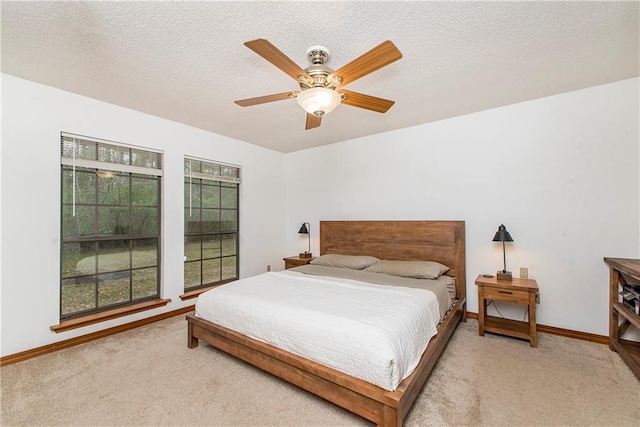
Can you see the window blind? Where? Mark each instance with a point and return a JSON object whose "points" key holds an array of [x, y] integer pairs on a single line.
{"points": [[213, 171], [94, 153]]}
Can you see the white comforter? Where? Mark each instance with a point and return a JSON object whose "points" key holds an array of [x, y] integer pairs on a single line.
{"points": [[373, 332]]}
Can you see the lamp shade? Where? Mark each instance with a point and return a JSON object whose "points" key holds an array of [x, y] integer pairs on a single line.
{"points": [[304, 229], [318, 100], [502, 235]]}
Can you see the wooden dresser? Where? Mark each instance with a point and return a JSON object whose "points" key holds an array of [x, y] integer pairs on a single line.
{"points": [[621, 317]]}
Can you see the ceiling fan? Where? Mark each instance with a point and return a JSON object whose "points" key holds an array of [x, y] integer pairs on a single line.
{"points": [[318, 83]]}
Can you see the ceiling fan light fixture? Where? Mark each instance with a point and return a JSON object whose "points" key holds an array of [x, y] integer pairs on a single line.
{"points": [[319, 100]]}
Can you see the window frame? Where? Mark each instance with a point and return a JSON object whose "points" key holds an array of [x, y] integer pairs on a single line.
{"points": [[231, 180], [95, 239]]}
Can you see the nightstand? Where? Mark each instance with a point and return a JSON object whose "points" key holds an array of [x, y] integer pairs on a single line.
{"points": [[296, 261], [519, 291]]}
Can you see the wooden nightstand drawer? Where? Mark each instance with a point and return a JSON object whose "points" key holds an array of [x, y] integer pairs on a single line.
{"points": [[520, 297], [296, 261]]}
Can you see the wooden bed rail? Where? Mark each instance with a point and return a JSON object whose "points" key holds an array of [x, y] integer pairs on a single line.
{"points": [[383, 407]]}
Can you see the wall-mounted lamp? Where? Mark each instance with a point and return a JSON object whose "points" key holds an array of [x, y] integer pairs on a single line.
{"points": [[502, 235], [306, 229]]}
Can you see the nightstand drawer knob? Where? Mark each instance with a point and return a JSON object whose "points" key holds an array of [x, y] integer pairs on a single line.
{"points": [[505, 292]]}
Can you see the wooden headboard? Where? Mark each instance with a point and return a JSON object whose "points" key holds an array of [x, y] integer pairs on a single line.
{"points": [[441, 241]]}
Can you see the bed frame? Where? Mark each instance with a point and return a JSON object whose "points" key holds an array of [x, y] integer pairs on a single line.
{"points": [[442, 241]]}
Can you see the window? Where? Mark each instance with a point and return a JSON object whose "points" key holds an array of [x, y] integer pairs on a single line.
{"points": [[211, 223], [110, 243]]}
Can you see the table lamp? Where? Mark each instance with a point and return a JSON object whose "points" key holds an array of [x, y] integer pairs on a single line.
{"points": [[305, 229], [502, 235]]}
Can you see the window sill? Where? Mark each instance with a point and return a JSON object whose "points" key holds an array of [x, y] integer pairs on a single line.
{"points": [[90, 319], [196, 292]]}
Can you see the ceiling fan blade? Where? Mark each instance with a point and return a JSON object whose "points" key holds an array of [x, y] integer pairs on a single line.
{"points": [[378, 57], [268, 98], [272, 54], [369, 102], [313, 121]]}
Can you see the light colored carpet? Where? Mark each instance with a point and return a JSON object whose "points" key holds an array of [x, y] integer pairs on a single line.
{"points": [[148, 376]]}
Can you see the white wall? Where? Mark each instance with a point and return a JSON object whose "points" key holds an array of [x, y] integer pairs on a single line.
{"points": [[33, 116], [562, 173]]}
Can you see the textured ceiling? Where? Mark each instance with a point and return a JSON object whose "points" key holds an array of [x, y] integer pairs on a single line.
{"points": [[185, 61]]}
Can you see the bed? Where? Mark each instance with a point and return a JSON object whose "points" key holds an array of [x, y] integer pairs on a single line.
{"points": [[440, 241]]}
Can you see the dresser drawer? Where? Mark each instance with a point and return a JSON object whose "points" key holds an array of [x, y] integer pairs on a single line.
{"points": [[520, 297]]}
